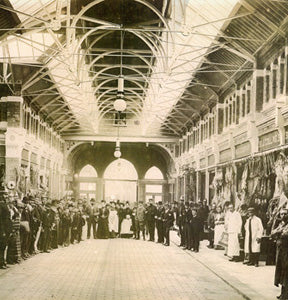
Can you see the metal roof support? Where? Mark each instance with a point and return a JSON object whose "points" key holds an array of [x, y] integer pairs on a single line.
{"points": [[49, 103]]}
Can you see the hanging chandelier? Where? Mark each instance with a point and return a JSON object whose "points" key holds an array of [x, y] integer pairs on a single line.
{"points": [[120, 103], [117, 152]]}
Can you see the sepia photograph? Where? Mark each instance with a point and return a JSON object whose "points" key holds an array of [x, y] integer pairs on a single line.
{"points": [[143, 149]]}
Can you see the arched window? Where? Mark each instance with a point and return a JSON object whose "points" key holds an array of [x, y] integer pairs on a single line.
{"points": [[153, 186], [121, 169], [121, 181], [154, 173], [87, 182], [88, 171]]}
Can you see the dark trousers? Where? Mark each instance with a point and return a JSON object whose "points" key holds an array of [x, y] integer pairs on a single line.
{"points": [[46, 239], [3, 245], [79, 233], [160, 231], [151, 229], [91, 223], [211, 238], [140, 226], [188, 236], [254, 257], [54, 238], [167, 235], [195, 241], [25, 241], [181, 232]]}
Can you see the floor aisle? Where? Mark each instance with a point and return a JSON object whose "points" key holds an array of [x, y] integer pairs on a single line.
{"points": [[113, 269]]}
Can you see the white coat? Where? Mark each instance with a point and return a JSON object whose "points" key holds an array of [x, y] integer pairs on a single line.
{"points": [[234, 224], [113, 221], [257, 233]]}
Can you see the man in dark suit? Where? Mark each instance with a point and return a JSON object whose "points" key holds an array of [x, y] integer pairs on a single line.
{"points": [[179, 220], [168, 220], [150, 219], [6, 227], [187, 219], [159, 222], [92, 212], [196, 229]]}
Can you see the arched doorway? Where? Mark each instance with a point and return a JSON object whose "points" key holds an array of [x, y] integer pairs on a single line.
{"points": [[121, 181], [153, 184], [87, 182]]}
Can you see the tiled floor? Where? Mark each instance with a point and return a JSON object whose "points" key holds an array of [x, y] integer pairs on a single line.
{"points": [[122, 269]]}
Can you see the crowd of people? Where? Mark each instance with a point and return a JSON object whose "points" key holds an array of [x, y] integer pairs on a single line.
{"points": [[34, 225]]}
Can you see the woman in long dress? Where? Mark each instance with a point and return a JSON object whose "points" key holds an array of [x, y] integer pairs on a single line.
{"points": [[113, 220], [103, 227], [219, 227]]}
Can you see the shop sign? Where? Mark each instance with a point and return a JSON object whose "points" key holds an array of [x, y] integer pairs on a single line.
{"points": [[269, 140], [211, 160], [243, 150], [203, 162], [225, 155]]}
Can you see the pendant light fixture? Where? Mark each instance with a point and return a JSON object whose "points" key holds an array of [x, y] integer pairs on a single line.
{"points": [[117, 152], [120, 103]]}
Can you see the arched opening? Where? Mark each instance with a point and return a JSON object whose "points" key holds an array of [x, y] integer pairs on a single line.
{"points": [[121, 181], [87, 182], [154, 184]]}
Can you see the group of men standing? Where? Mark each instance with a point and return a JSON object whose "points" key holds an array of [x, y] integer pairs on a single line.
{"points": [[190, 220], [160, 217], [33, 225]]}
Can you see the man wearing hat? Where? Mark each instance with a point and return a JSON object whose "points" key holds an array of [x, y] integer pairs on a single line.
{"points": [[5, 227], [168, 220], [281, 271], [159, 222], [253, 235], [234, 225], [92, 212], [150, 219]]}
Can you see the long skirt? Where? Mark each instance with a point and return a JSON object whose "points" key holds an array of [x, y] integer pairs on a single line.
{"points": [[14, 249], [233, 244], [103, 229], [218, 230]]}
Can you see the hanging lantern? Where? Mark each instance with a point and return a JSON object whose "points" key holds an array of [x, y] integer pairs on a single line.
{"points": [[120, 104], [117, 153]]}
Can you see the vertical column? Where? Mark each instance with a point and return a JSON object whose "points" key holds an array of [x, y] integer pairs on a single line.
{"points": [[219, 118], [281, 74], [14, 136], [207, 183], [286, 72], [197, 186], [257, 90]]}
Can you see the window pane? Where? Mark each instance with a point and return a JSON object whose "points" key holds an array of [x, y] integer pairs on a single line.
{"points": [[87, 186], [151, 188]]}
